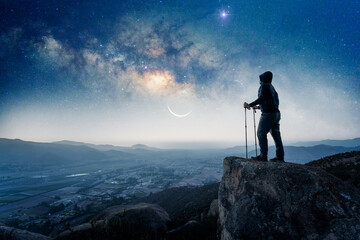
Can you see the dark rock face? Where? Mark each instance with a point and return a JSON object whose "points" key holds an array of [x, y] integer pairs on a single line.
{"points": [[204, 229], [285, 201], [10, 233], [190, 230], [214, 208], [140, 221], [184, 203], [345, 166]]}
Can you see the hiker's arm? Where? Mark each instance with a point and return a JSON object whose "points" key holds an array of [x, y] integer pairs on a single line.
{"points": [[264, 91]]}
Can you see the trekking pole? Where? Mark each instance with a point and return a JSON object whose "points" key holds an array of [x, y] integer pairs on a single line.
{"points": [[255, 130], [246, 135]]}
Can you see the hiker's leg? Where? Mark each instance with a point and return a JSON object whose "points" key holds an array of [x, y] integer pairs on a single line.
{"points": [[275, 133], [265, 124]]}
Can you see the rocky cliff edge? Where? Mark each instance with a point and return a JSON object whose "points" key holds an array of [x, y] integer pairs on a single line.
{"points": [[285, 201]]}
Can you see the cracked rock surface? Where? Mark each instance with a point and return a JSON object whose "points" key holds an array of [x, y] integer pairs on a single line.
{"points": [[260, 200]]}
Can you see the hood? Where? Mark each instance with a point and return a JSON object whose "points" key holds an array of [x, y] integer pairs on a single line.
{"points": [[266, 77]]}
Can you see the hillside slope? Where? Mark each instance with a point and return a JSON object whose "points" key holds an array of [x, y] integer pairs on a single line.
{"points": [[345, 166]]}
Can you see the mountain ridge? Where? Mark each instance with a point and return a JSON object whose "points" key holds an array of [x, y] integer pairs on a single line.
{"points": [[298, 154], [331, 142]]}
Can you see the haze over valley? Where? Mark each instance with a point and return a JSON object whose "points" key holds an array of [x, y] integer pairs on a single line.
{"points": [[65, 181]]}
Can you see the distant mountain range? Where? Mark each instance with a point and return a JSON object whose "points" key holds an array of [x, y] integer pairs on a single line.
{"points": [[304, 155], [16, 151], [105, 147], [344, 143], [69, 152]]}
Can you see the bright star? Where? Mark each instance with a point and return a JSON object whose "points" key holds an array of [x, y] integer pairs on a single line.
{"points": [[223, 14]]}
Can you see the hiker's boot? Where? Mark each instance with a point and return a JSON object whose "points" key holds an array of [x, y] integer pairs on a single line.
{"points": [[276, 159], [259, 158]]}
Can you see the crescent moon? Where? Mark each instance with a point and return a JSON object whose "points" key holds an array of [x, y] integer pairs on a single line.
{"points": [[178, 115]]}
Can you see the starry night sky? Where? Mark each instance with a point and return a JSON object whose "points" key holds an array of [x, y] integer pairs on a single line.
{"points": [[108, 71]]}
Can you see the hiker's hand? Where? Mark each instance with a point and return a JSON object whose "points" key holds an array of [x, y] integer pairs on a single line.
{"points": [[256, 107], [246, 105]]}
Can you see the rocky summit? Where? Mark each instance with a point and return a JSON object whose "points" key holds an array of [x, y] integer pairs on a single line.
{"points": [[264, 200]]}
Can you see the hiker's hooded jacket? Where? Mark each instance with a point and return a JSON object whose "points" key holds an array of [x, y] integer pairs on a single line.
{"points": [[268, 99]]}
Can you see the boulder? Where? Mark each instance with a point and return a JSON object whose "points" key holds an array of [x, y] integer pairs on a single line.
{"points": [[264, 200], [214, 208], [140, 221], [10, 233]]}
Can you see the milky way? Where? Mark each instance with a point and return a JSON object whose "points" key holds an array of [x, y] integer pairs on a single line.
{"points": [[110, 71]]}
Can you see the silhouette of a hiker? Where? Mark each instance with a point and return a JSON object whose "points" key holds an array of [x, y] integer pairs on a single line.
{"points": [[268, 102]]}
